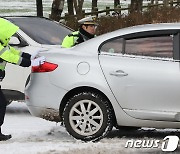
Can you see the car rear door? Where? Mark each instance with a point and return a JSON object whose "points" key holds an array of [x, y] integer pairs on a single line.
{"points": [[143, 75]]}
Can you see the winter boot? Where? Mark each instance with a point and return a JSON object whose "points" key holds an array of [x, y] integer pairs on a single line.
{"points": [[4, 137]]}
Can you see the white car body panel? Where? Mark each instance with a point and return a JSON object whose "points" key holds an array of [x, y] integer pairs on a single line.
{"points": [[150, 85]]}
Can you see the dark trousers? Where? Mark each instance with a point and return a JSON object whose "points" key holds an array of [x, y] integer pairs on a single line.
{"points": [[3, 104]]}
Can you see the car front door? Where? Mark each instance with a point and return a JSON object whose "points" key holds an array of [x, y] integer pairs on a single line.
{"points": [[143, 76]]}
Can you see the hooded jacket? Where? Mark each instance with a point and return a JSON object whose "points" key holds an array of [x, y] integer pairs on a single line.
{"points": [[8, 53]]}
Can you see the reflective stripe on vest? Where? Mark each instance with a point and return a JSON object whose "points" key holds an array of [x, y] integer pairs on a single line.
{"points": [[8, 55], [2, 65], [76, 36], [3, 50]]}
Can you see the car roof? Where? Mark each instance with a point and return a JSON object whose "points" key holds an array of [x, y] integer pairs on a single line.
{"points": [[95, 42], [149, 27], [143, 28]]}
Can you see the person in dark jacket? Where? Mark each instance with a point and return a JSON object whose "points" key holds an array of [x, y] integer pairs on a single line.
{"points": [[86, 31], [14, 56]]}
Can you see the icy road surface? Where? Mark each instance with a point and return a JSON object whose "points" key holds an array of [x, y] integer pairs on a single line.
{"points": [[31, 135]]}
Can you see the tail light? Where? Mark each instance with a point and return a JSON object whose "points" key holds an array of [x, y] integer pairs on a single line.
{"points": [[46, 67]]}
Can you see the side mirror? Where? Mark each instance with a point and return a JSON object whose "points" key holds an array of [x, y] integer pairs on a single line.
{"points": [[14, 41]]}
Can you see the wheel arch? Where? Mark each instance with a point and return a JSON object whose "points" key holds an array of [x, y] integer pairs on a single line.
{"points": [[77, 90]]}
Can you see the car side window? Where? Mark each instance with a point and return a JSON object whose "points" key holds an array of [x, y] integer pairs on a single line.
{"points": [[159, 46], [112, 46]]}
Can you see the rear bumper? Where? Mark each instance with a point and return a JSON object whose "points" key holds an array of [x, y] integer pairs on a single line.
{"points": [[41, 93], [43, 98], [45, 113]]}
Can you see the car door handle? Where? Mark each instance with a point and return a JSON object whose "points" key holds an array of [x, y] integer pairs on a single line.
{"points": [[118, 73]]}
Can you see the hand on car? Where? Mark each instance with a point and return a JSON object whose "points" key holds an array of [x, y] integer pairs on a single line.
{"points": [[34, 54], [38, 61]]}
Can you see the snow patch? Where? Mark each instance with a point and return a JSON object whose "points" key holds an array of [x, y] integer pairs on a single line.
{"points": [[34, 135]]}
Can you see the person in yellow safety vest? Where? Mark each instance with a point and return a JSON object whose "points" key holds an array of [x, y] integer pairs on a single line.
{"points": [[14, 56], [86, 31]]}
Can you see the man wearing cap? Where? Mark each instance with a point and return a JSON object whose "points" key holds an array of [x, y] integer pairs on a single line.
{"points": [[14, 56], [86, 31]]}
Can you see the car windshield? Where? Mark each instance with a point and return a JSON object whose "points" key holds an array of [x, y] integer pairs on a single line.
{"points": [[42, 30]]}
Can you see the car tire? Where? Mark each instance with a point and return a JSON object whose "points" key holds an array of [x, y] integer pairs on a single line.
{"points": [[88, 116]]}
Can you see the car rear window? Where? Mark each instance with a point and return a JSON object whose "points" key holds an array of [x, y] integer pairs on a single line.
{"points": [[42, 30]]}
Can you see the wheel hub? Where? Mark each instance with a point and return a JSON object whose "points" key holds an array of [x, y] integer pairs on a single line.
{"points": [[86, 117]]}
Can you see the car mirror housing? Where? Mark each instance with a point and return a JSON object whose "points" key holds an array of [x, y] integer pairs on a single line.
{"points": [[14, 41]]}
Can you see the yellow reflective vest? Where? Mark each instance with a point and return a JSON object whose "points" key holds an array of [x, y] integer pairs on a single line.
{"points": [[70, 40]]}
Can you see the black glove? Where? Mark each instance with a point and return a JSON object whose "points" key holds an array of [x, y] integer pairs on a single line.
{"points": [[26, 55]]}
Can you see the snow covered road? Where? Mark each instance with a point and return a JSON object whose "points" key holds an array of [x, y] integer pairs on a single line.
{"points": [[31, 135]]}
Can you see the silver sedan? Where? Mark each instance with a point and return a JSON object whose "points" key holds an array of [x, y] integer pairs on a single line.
{"points": [[129, 78]]}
